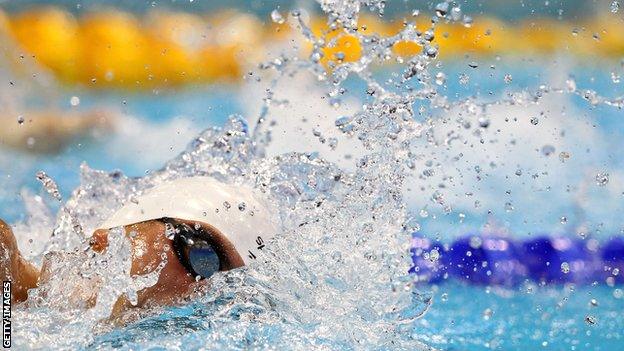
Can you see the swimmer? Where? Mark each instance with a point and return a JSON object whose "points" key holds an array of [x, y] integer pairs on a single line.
{"points": [[198, 225], [50, 131]]}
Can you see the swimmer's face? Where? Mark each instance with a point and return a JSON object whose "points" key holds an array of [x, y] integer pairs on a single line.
{"points": [[150, 247]]}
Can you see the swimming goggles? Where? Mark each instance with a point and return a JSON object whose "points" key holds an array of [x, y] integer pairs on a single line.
{"points": [[200, 248]]}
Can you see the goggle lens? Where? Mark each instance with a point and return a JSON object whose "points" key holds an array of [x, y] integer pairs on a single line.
{"points": [[203, 260]]}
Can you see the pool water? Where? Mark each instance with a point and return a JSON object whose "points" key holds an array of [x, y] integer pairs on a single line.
{"points": [[529, 318]]}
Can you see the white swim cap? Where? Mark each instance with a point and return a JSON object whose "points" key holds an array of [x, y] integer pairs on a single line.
{"points": [[239, 212]]}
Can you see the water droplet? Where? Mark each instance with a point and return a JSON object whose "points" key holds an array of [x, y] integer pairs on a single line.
{"points": [[429, 35], [434, 255], [456, 13], [565, 267], [463, 79], [475, 242], [615, 6], [563, 219], [509, 207], [316, 56], [534, 121], [242, 206], [440, 78], [484, 122], [20, 119], [277, 17], [461, 216], [49, 185], [487, 314], [444, 297], [590, 320], [170, 231], [74, 101], [570, 85], [431, 51], [564, 156], [441, 9], [548, 150], [344, 124], [593, 302], [602, 178], [508, 78], [227, 205]]}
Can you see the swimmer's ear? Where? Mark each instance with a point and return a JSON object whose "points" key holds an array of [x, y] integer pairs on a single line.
{"points": [[99, 240]]}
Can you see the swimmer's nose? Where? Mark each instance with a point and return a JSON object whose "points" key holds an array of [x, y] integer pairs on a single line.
{"points": [[99, 240]]}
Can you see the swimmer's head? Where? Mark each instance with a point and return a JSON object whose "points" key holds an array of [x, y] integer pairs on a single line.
{"points": [[237, 212], [198, 225], [193, 252]]}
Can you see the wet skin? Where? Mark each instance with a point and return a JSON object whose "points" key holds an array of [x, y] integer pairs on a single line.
{"points": [[150, 247]]}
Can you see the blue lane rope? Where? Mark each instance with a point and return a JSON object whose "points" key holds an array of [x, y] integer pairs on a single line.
{"points": [[495, 260]]}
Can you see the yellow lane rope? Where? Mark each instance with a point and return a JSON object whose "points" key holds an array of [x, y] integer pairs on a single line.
{"points": [[113, 48]]}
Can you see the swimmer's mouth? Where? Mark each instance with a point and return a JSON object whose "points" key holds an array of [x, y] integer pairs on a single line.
{"points": [[202, 249]]}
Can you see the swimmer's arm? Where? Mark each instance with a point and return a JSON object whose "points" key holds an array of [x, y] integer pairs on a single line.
{"points": [[13, 267]]}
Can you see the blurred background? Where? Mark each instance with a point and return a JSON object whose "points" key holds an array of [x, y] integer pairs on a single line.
{"points": [[126, 85]]}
